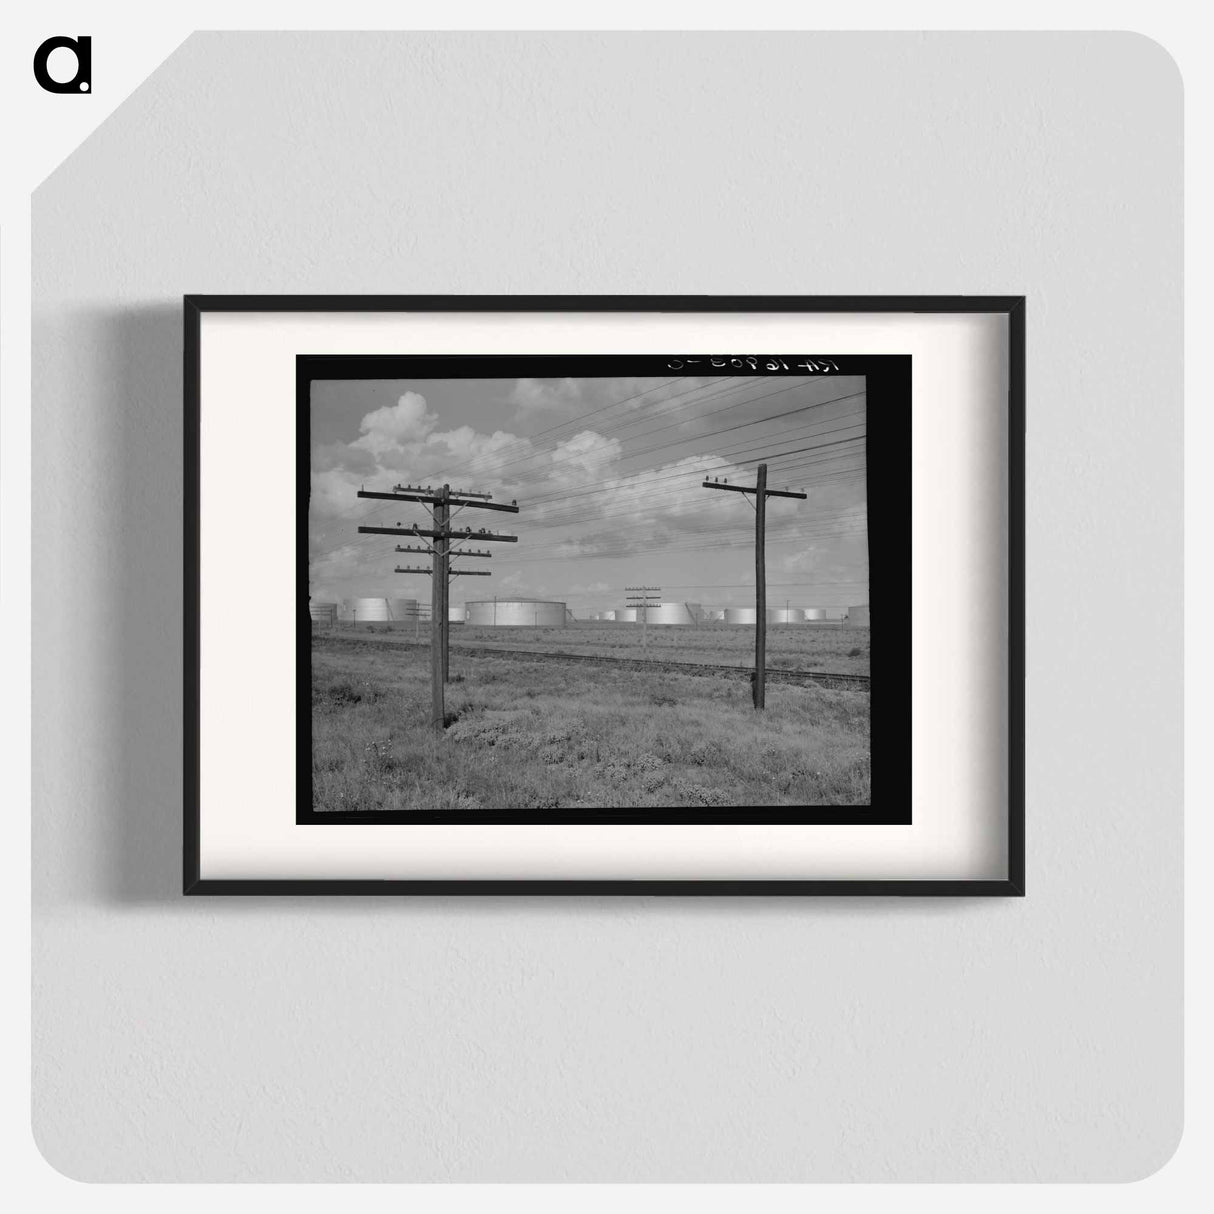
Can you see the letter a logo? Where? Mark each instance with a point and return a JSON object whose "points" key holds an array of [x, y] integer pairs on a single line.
{"points": [[82, 81]]}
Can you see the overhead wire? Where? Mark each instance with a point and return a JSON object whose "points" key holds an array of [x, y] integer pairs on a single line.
{"points": [[542, 499]]}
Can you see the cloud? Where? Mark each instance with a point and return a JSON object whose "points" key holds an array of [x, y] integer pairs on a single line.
{"points": [[532, 396], [839, 558], [580, 498], [584, 458], [400, 444], [396, 427]]}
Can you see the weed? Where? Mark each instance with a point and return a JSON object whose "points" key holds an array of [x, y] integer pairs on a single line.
{"points": [[529, 734]]}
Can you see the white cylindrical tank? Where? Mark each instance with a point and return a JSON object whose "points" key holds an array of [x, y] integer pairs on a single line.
{"points": [[518, 613], [815, 613], [365, 610], [674, 613], [857, 617], [369, 610], [739, 615], [716, 615], [606, 615], [626, 615], [786, 615], [323, 613], [455, 615]]}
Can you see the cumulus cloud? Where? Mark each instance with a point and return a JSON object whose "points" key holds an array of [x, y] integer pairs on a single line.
{"points": [[400, 443], [585, 457], [396, 427]]}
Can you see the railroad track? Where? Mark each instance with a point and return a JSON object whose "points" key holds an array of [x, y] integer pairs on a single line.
{"points": [[823, 678]]}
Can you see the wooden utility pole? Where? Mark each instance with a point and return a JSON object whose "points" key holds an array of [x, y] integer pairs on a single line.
{"points": [[762, 493], [441, 575], [439, 502], [641, 598], [438, 583], [760, 694]]}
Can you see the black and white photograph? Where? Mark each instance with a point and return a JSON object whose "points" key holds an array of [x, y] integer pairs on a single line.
{"points": [[615, 587]]}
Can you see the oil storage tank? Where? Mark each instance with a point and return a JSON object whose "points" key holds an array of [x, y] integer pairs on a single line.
{"points": [[815, 613], [739, 615], [857, 617], [369, 610], [626, 615], [521, 613], [402, 609], [786, 615], [456, 614], [365, 610], [323, 613], [674, 613]]}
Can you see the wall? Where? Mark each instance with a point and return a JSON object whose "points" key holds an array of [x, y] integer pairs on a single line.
{"points": [[624, 1039]]}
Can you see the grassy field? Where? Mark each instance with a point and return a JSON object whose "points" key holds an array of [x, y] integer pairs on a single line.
{"points": [[536, 734], [789, 647]]}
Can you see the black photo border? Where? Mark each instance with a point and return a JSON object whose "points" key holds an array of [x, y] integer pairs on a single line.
{"points": [[1012, 307], [888, 448]]}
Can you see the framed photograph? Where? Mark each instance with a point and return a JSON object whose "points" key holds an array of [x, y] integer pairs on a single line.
{"points": [[684, 595]]}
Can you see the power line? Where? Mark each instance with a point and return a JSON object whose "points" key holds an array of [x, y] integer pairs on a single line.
{"points": [[527, 439], [485, 455], [352, 546], [747, 445], [673, 496], [543, 500], [710, 389], [742, 425], [679, 548], [710, 434], [699, 542]]}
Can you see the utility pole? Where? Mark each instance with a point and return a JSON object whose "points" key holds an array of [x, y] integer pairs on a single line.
{"points": [[439, 503], [440, 576], [762, 493], [641, 598]]}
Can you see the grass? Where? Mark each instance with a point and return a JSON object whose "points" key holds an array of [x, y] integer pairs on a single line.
{"points": [[789, 647], [531, 734]]}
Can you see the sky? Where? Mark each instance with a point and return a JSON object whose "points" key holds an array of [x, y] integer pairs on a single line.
{"points": [[608, 474]]}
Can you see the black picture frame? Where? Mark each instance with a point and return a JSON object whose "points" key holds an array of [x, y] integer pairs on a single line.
{"points": [[1011, 307]]}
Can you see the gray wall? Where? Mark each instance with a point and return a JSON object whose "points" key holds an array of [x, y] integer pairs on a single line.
{"points": [[630, 1039]]}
